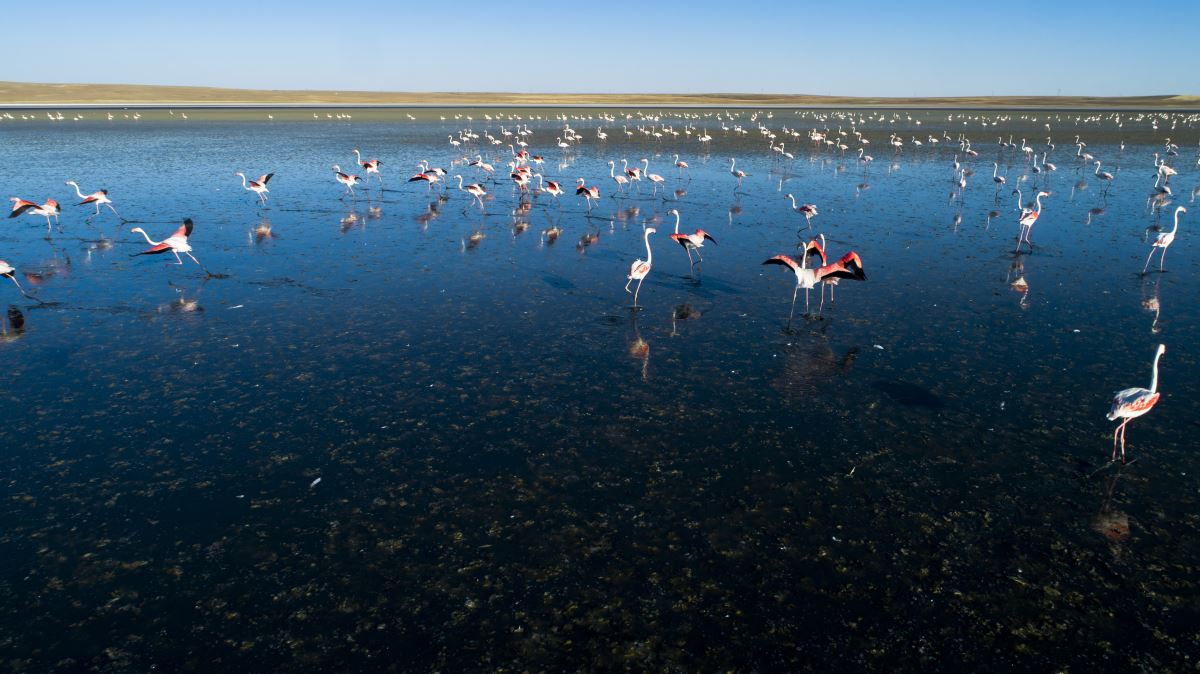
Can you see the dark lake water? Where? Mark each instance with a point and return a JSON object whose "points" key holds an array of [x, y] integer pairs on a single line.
{"points": [[518, 472]]}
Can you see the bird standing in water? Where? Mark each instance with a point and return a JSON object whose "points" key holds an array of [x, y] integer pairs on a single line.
{"points": [[1163, 241], [690, 242], [639, 268], [1132, 403]]}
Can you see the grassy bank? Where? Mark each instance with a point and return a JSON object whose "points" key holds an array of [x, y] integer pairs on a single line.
{"points": [[19, 94]]}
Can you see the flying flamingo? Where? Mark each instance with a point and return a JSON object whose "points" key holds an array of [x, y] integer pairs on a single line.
{"points": [[1132, 403], [1164, 240], [348, 180], [733, 171], [807, 210], [48, 209], [99, 198], [640, 268], [587, 193], [690, 242], [621, 181], [370, 166], [6, 269], [474, 189], [1027, 220], [258, 186], [176, 243], [850, 266]]}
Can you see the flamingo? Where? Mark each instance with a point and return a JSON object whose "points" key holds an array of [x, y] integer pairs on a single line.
{"points": [[99, 198], [850, 266], [48, 209], [621, 181], [482, 165], [1131, 403], [634, 173], [865, 158], [680, 166], [370, 166], [587, 193], [733, 171], [652, 177], [6, 269], [640, 268], [807, 210], [1164, 240], [690, 242], [176, 243], [474, 189], [348, 180], [998, 179], [1104, 175], [552, 188], [258, 186], [1027, 220]]}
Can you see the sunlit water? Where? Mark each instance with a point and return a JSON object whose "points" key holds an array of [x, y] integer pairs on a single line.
{"points": [[519, 472]]}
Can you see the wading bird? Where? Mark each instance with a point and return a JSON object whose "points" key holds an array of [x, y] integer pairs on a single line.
{"points": [[639, 268], [621, 181], [99, 198], [346, 179], [1028, 218], [474, 189], [735, 172], [371, 166], [588, 193], [807, 210], [849, 266], [1132, 403], [1163, 241], [176, 243], [258, 186], [48, 209], [690, 242]]}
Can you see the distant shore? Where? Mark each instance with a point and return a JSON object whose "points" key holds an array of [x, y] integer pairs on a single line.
{"points": [[25, 95]]}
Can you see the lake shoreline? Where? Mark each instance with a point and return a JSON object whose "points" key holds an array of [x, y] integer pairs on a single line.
{"points": [[16, 95]]}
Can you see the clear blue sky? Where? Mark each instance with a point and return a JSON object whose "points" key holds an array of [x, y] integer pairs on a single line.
{"points": [[859, 47]]}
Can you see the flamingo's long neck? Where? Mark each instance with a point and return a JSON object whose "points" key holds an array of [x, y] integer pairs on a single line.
{"points": [[77, 191], [1038, 201], [612, 171], [793, 198], [358, 156], [459, 181], [995, 168], [152, 242], [1176, 227], [650, 256], [243, 181], [1154, 376], [677, 221]]}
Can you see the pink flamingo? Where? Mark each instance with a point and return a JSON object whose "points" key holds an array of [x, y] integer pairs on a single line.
{"points": [[639, 268], [690, 242], [1132, 403], [258, 186], [1164, 240], [48, 209]]}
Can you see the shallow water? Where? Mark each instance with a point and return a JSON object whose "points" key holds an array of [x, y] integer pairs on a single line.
{"points": [[519, 472]]}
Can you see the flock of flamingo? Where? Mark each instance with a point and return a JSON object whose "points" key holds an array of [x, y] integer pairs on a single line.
{"points": [[524, 168]]}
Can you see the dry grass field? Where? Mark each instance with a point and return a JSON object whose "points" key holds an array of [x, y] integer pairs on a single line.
{"points": [[19, 94]]}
